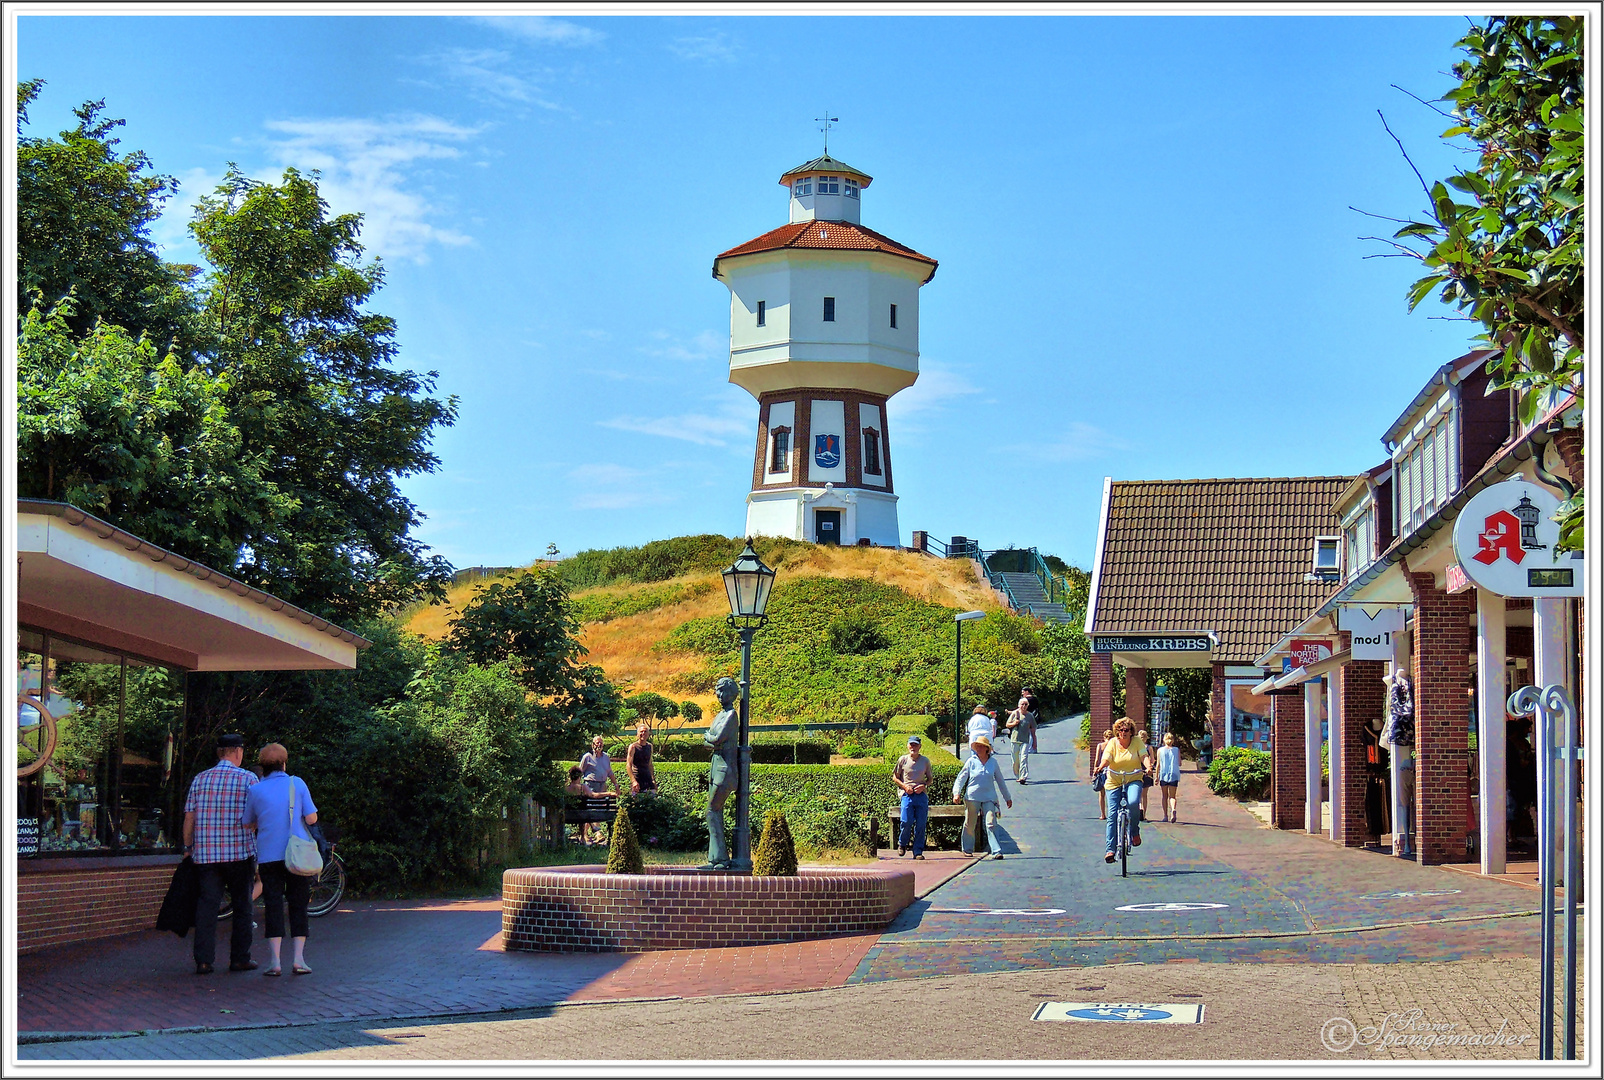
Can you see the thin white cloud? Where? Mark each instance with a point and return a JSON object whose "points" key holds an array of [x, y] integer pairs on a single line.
{"points": [[171, 230], [939, 387], [543, 29], [372, 167], [485, 75], [706, 345], [1068, 441], [616, 487], [714, 48], [701, 428]]}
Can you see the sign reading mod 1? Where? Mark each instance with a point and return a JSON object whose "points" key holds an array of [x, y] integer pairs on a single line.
{"points": [[1371, 633]]}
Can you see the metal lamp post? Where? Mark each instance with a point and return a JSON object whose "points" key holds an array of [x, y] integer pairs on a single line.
{"points": [[958, 682], [748, 583]]}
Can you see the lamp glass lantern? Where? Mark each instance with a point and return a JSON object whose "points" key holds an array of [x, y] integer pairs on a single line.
{"points": [[748, 582]]}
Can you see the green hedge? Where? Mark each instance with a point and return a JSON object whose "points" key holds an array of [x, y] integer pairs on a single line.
{"points": [[896, 742], [1241, 772], [768, 748]]}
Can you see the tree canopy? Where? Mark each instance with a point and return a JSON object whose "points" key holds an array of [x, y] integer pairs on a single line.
{"points": [[1511, 255]]}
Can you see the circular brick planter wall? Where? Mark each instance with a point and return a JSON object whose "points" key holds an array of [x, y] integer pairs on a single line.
{"points": [[584, 909]]}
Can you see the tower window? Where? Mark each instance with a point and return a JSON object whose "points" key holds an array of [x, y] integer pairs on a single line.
{"points": [[802, 187], [763, 313], [871, 451], [893, 316], [852, 188], [829, 185], [829, 309], [780, 459]]}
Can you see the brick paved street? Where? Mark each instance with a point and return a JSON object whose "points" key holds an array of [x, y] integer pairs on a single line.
{"points": [[1309, 931]]}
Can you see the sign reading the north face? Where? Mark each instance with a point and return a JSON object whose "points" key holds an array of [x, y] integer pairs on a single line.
{"points": [[1153, 643], [1504, 540]]}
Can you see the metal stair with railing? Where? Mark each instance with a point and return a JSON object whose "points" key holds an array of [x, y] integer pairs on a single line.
{"points": [[1033, 590]]}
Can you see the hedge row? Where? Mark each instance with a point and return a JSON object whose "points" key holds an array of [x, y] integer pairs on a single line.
{"points": [[768, 748], [896, 742]]}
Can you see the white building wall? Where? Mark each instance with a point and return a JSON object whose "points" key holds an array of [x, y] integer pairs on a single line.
{"points": [[781, 414], [776, 513], [826, 208], [826, 418], [877, 519]]}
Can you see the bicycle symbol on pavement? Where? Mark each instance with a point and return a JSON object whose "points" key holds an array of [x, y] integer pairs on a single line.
{"points": [[1408, 895], [1172, 907], [997, 911]]}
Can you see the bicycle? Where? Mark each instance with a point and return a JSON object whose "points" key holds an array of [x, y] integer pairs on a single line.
{"points": [[327, 889], [1122, 839]]}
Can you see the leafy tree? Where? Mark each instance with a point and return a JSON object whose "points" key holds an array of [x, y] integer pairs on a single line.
{"points": [[83, 228], [1512, 256], [529, 625], [691, 711], [107, 425], [312, 389], [651, 706]]}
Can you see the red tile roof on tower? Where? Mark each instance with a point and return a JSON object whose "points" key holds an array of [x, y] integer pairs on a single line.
{"points": [[828, 235]]}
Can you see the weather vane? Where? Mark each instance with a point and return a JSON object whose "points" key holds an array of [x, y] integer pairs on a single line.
{"points": [[827, 120]]}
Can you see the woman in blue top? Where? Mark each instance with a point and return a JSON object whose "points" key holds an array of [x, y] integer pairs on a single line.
{"points": [[268, 811]]}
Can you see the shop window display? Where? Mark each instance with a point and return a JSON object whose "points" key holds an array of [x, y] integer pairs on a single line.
{"points": [[107, 785], [1248, 722]]}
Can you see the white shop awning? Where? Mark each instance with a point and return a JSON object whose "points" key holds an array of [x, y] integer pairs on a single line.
{"points": [[83, 578]]}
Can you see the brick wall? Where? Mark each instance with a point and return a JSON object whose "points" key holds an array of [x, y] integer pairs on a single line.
{"points": [[57, 907], [1136, 696], [1289, 782], [1443, 642], [586, 910], [1102, 705], [1364, 698]]}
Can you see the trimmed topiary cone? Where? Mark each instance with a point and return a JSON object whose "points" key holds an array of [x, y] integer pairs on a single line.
{"points": [[623, 851], [776, 852]]}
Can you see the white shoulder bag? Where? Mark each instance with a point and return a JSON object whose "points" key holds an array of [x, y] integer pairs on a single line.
{"points": [[301, 856]]}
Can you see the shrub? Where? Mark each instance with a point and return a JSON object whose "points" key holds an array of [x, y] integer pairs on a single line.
{"points": [[896, 742], [623, 855], [768, 748], [776, 852], [663, 821], [1240, 772], [651, 706], [690, 711], [853, 633]]}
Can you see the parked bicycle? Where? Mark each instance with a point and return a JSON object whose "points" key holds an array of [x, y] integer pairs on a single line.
{"points": [[327, 889]]}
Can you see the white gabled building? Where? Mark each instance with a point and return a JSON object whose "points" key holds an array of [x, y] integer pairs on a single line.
{"points": [[824, 329]]}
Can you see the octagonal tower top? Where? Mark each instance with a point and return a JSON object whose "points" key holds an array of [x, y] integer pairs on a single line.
{"points": [[825, 189]]}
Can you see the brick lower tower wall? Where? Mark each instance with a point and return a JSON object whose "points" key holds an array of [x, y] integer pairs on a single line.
{"points": [[1443, 640], [1289, 783]]}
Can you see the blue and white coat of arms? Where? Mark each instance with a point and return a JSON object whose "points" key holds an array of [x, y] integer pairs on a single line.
{"points": [[827, 451]]}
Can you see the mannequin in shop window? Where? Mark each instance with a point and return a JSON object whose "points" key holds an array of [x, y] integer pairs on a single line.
{"points": [[1377, 781], [1399, 737]]}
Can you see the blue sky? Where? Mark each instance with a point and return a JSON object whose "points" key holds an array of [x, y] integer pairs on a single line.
{"points": [[1148, 264]]}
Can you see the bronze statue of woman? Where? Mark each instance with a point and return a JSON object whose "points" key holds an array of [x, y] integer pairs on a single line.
{"points": [[724, 736]]}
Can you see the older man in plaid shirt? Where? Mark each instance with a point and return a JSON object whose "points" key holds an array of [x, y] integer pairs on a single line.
{"points": [[224, 852]]}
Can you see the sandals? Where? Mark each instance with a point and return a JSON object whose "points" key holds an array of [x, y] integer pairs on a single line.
{"points": [[301, 969], [273, 973]]}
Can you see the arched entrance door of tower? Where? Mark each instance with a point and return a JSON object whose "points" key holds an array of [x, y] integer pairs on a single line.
{"points": [[827, 526]]}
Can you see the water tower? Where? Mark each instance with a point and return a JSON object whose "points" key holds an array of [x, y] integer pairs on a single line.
{"points": [[824, 329]]}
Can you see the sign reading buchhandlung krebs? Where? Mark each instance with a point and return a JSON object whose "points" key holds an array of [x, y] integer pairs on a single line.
{"points": [[1370, 631], [1504, 540], [1151, 643]]}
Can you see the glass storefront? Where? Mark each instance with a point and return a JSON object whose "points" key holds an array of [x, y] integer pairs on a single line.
{"points": [[1247, 720], [102, 781]]}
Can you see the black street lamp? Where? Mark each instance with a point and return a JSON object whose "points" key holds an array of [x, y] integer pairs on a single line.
{"points": [[748, 583], [958, 682]]}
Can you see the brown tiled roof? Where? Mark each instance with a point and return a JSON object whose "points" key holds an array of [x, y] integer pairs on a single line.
{"points": [[828, 235], [1222, 555]]}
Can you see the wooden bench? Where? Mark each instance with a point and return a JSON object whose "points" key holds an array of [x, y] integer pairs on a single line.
{"points": [[589, 810], [937, 812]]}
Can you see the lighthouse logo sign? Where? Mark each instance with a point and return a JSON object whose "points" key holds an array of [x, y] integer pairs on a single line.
{"points": [[827, 451], [1504, 542]]}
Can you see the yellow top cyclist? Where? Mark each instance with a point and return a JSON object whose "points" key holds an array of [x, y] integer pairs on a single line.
{"points": [[1125, 758]]}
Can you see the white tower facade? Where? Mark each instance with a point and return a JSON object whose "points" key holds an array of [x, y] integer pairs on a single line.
{"points": [[824, 329]]}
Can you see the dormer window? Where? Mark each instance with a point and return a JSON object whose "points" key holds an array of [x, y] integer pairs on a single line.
{"points": [[1327, 556], [830, 185], [802, 187], [851, 188]]}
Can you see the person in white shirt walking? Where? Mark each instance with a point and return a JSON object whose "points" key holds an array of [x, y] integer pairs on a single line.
{"points": [[977, 786], [1169, 778]]}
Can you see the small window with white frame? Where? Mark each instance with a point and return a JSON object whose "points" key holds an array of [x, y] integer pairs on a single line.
{"points": [[1327, 555], [851, 186], [829, 185], [893, 316], [802, 186], [762, 312]]}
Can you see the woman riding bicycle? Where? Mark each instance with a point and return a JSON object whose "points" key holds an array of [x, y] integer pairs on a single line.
{"points": [[1125, 758]]}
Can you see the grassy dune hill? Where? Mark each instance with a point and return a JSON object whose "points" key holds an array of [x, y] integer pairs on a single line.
{"points": [[667, 635]]}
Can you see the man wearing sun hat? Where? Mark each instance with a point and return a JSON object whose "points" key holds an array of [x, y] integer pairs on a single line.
{"points": [[977, 786], [912, 777]]}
